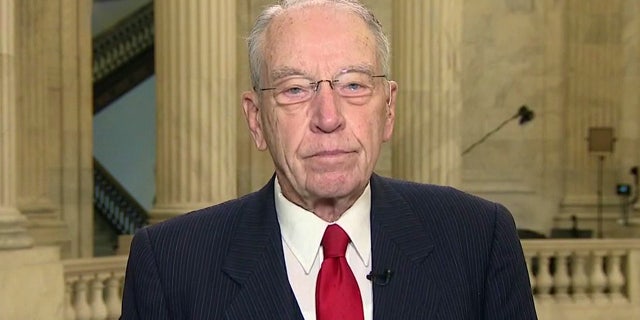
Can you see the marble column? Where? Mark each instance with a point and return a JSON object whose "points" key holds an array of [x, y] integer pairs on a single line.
{"points": [[197, 105], [22, 267], [34, 122], [13, 234], [70, 85], [426, 64]]}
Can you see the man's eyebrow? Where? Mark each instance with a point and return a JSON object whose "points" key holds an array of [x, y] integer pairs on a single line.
{"points": [[364, 68], [284, 72]]}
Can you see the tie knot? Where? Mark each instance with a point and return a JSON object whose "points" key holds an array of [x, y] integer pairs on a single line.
{"points": [[334, 242]]}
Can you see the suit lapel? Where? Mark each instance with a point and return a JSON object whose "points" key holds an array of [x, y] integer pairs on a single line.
{"points": [[401, 243], [256, 262]]}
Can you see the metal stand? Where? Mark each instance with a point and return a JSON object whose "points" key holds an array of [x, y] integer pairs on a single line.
{"points": [[600, 182], [601, 140], [625, 211]]}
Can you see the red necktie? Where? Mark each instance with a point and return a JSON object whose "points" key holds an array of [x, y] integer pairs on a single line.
{"points": [[337, 292]]}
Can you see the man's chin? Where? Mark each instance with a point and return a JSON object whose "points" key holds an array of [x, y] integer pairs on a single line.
{"points": [[334, 187]]}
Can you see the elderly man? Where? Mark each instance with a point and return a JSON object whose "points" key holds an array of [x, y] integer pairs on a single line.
{"points": [[327, 238]]}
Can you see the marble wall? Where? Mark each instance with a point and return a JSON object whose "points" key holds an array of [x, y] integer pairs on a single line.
{"points": [[575, 64], [31, 284], [510, 60]]}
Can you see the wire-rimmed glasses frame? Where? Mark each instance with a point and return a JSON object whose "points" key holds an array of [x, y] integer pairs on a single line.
{"points": [[355, 86]]}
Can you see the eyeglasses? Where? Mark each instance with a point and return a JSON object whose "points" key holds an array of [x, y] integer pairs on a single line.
{"points": [[355, 87]]}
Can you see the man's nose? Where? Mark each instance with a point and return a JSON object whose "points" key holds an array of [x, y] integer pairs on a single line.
{"points": [[326, 114]]}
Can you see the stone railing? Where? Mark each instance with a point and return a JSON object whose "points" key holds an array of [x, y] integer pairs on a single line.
{"points": [[585, 279], [571, 279], [93, 288]]}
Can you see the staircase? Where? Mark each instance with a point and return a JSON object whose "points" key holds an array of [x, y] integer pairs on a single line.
{"points": [[123, 57]]}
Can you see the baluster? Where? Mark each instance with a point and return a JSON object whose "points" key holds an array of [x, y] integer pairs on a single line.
{"points": [[579, 279], [544, 280], [121, 54], [98, 307], [616, 277], [83, 311], [561, 278], [597, 279], [113, 301], [69, 311]]}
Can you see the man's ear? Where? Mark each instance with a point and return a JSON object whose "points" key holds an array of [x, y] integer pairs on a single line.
{"points": [[251, 107], [390, 111]]}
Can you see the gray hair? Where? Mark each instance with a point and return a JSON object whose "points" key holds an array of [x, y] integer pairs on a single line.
{"points": [[256, 38]]}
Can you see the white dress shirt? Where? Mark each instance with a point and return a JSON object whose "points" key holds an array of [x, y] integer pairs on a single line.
{"points": [[302, 233]]}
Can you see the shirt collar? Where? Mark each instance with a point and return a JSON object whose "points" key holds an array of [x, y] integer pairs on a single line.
{"points": [[302, 230]]}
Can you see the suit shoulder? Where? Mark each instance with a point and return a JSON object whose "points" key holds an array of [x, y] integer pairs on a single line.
{"points": [[447, 203], [455, 219], [438, 194], [216, 217]]}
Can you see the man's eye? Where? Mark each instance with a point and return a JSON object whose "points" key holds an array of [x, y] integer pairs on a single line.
{"points": [[295, 90], [354, 86]]}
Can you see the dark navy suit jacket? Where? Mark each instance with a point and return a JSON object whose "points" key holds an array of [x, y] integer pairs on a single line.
{"points": [[453, 256]]}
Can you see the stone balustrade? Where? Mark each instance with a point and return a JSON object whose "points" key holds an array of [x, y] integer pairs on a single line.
{"points": [[586, 278], [93, 288], [571, 279]]}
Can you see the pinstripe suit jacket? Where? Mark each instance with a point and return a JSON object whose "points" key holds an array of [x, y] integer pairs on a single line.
{"points": [[453, 256]]}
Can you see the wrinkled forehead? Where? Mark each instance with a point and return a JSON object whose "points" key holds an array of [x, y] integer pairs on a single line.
{"points": [[318, 39]]}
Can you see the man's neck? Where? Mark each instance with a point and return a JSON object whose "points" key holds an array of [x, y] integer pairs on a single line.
{"points": [[327, 209]]}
